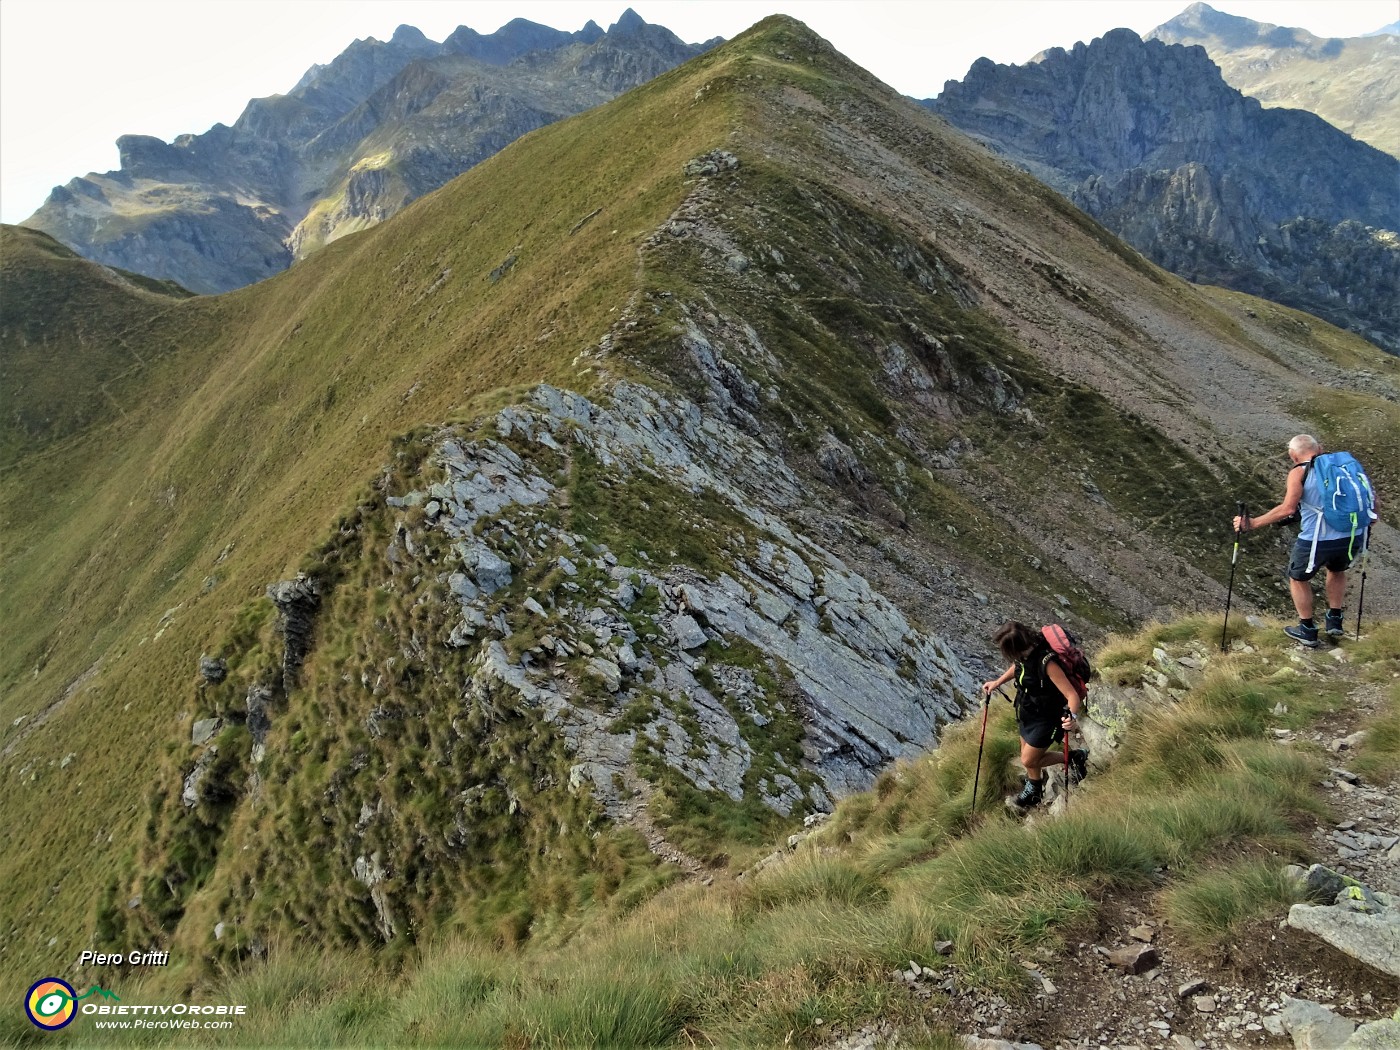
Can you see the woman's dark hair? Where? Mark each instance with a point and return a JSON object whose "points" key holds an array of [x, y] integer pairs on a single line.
{"points": [[1015, 640]]}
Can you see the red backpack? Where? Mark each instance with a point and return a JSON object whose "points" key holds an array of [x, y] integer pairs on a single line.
{"points": [[1071, 658]]}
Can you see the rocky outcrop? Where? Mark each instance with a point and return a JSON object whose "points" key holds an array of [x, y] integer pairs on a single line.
{"points": [[1353, 83], [371, 873], [213, 669], [352, 143], [865, 684], [193, 783], [1151, 141], [296, 601], [1354, 919]]}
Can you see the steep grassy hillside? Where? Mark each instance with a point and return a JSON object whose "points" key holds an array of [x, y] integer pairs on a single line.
{"points": [[192, 504], [851, 385], [77, 336], [1184, 830]]}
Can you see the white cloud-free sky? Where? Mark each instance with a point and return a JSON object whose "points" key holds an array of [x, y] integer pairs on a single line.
{"points": [[75, 74]]}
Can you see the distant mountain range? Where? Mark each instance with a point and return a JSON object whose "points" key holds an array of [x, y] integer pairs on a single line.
{"points": [[1352, 83], [1149, 139], [352, 143]]}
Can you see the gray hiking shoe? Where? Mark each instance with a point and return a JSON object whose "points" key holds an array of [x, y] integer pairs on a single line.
{"points": [[1031, 794], [1333, 625], [1303, 634]]}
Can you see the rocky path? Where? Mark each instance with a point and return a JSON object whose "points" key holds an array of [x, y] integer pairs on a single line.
{"points": [[1132, 987], [29, 725], [638, 816]]}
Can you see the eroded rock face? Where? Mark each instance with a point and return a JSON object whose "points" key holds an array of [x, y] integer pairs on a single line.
{"points": [[1151, 141], [1350, 82], [821, 649], [371, 872], [296, 601]]}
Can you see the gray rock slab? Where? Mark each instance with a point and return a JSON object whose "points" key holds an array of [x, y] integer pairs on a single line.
{"points": [[606, 672], [1378, 1035], [194, 781], [1369, 937], [1314, 1027], [686, 633], [204, 730]]}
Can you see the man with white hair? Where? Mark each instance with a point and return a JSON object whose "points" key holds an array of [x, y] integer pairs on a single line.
{"points": [[1336, 504]]}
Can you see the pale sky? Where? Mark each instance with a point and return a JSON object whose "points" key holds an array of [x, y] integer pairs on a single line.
{"points": [[75, 74]]}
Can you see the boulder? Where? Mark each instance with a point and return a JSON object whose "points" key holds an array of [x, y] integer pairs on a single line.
{"points": [[204, 730], [492, 571], [1378, 1035], [1361, 924], [212, 670], [606, 672], [1135, 958], [1321, 884], [1314, 1027], [687, 633]]}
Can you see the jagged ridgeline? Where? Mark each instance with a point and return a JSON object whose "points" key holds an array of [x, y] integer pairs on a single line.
{"points": [[349, 145], [636, 494]]}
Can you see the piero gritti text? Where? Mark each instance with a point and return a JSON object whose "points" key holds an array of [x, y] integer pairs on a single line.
{"points": [[136, 958]]}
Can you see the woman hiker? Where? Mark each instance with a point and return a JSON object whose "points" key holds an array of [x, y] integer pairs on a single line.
{"points": [[1047, 706]]}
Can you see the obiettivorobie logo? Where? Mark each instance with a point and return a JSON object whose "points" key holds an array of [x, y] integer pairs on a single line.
{"points": [[51, 1003]]}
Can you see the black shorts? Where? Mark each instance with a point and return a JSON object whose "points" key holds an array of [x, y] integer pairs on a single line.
{"points": [[1331, 555], [1041, 728]]}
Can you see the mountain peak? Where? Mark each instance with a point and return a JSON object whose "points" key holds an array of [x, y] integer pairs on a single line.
{"points": [[407, 34], [1201, 22], [628, 22], [1351, 82]]}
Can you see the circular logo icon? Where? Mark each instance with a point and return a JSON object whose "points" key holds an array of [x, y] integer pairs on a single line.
{"points": [[50, 1003]]}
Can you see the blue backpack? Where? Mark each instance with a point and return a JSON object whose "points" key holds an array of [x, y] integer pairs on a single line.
{"points": [[1347, 502]]}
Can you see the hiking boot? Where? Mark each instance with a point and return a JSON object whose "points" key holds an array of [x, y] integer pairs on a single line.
{"points": [[1333, 625], [1030, 795], [1303, 634], [1078, 765]]}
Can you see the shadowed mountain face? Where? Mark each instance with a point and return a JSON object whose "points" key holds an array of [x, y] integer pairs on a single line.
{"points": [[1151, 141], [350, 145], [1352, 83], [599, 515]]}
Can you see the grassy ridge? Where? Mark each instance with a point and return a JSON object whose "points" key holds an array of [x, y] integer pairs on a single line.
{"points": [[1202, 792], [234, 460], [147, 538], [76, 337]]}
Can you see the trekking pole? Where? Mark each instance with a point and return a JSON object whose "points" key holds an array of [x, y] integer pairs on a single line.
{"points": [[1361, 598], [1229, 592], [1066, 733], [986, 706]]}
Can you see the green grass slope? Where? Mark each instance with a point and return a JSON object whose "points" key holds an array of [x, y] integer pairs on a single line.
{"points": [[1191, 823], [75, 334], [250, 441], [234, 461]]}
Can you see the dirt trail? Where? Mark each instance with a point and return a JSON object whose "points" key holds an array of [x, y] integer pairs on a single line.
{"points": [[1076, 1000], [32, 723]]}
